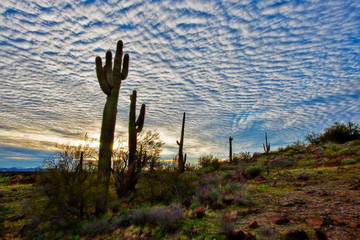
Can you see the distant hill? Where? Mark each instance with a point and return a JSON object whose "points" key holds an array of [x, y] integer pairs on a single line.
{"points": [[18, 169]]}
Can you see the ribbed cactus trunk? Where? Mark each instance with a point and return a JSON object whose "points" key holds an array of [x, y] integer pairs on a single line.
{"points": [[181, 158], [135, 127], [230, 149], [110, 80]]}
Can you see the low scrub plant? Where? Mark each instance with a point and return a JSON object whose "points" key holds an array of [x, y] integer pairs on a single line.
{"points": [[348, 161], [69, 183], [209, 160], [337, 133], [253, 171], [168, 218]]}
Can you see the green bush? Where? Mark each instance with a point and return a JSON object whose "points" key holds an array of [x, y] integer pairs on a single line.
{"points": [[348, 161], [209, 160], [165, 186], [253, 171], [69, 184], [337, 133]]}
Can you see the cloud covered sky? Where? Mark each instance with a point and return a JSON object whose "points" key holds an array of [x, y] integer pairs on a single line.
{"points": [[237, 68]]}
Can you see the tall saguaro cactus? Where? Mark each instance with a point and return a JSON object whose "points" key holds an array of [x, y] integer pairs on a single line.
{"points": [[135, 127], [266, 145], [181, 158], [110, 80], [230, 149]]}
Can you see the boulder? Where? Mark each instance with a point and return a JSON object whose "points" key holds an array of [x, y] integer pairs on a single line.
{"points": [[280, 162], [318, 151], [253, 224], [257, 155]]}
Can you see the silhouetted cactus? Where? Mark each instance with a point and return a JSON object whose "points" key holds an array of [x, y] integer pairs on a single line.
{"points": [[110, 80], [230, 149], [135, 127], [181, 158], [127, 175], [266, 145]]}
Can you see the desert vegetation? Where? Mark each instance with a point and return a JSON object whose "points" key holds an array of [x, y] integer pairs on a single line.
{"points": [[302, 191]]}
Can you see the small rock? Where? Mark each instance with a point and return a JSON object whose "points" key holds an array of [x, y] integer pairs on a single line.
{"points": [[260, 179], [280, 219], [315, 221], [253, 224], [304, 176], [299, 201], [199, 211], [294, 234], [285, 204], [354, 224], [336, 219]]}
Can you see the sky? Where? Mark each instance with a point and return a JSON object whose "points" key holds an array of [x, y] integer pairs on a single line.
{"points": [[237, 68]]}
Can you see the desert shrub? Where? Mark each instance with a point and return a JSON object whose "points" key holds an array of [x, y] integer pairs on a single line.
{"points": [[253, 171], [348, 161], [167, 218], [209, 161], [203, 192], [337, 133], [165, 186], [242, 156], [313, 138], [98, 226], [227, 226], [355, 143], [69, 183]]}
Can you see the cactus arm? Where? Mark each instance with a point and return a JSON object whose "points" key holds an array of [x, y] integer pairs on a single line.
{"points": [[118, 61], [101, 77], [125, 69], [141, 118], [108, 69]]}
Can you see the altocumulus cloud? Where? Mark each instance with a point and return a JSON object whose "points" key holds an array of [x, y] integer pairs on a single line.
{"points": [[236, 68]]}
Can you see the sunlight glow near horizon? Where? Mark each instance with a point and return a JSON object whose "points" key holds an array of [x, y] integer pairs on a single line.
{"points": [[237, 68]]}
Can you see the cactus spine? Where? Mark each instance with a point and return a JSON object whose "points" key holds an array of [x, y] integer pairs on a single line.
{"points": [[230, 149], [135, 127], [266, 145], [181, 158], [110, 80]]}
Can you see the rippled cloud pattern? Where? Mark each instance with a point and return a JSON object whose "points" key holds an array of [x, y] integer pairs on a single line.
{"points": [[236, 68]]}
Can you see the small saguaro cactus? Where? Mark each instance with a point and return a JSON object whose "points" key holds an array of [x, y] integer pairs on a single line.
{"points": [[135, 127], [110, 80], [266, 145], [230, 149], [181, 158]]}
